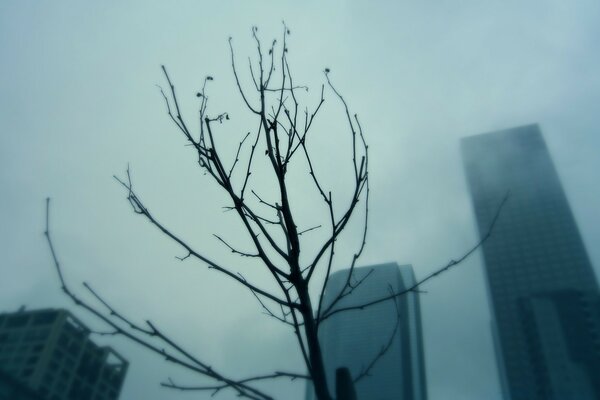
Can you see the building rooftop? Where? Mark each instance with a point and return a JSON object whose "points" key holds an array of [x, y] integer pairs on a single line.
{"points": [[50, 352]]}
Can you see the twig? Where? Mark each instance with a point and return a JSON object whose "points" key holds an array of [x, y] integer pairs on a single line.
{"points": [[432, 275]]}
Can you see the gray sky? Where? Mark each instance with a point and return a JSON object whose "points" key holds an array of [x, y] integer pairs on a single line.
{"points": [[79, 102]]}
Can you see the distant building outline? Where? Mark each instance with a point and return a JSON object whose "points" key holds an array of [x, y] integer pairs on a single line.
{"points": [[353, 338], [49, 351], [541, 284]]}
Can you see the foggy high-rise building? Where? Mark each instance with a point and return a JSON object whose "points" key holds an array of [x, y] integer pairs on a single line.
{"points": [[354, 338], [49, 353], [543, 291]]}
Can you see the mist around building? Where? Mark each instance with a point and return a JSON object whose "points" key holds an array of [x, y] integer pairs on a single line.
{"points": [[441, 88], [541, 285], [543, 292]]}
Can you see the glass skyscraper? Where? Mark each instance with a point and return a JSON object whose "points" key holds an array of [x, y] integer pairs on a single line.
{"points": [[543, 291], [353, 339]]}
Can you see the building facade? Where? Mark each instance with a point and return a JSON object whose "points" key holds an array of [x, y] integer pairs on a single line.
{"points": [[353, 339], [12, 389], [541, 285], [49, 352]]}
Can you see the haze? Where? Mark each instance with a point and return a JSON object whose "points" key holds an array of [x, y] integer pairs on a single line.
{"points": [[79, 103]]}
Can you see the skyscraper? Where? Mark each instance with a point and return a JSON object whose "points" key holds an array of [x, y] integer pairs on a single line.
{"points": [[353, 339], [542, 288], [49, 352]]}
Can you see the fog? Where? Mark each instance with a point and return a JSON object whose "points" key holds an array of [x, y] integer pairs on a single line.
{"points": [[80, 103]]}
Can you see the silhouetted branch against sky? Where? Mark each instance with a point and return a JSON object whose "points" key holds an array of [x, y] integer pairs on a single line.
{"points": [[278, 138], [349, 287], [368, 367], [149, 336], [269, 218]]}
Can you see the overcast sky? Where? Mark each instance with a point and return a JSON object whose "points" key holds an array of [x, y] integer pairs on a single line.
{"points": [[79, 103]]}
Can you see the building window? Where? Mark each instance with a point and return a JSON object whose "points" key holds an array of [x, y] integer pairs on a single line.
{"points": [[44, 318], [17, 321]]}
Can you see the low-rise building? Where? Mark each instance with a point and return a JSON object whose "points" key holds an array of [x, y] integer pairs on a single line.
{"points": [[49, 351]]}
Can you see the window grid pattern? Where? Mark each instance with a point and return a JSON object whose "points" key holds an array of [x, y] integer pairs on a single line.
{"points": [[535, 250], [49, 351]]}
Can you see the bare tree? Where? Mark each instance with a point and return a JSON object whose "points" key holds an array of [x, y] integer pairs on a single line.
{"points": [[282, 133]]}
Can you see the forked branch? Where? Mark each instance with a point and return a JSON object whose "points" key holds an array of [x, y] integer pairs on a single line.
{"points": [[144, 336], [332, 310]]}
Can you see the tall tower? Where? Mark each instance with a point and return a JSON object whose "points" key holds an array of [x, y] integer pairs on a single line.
{"points": [[353, 339], [542, 288]]}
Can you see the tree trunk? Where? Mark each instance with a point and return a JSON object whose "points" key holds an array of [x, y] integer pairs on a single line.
{"points": [[344, 387], [314, 349]]}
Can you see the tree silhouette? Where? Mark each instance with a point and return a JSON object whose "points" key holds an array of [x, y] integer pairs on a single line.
{"points": [[283, 129]]}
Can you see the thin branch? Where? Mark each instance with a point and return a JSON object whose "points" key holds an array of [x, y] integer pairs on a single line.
{"points": [[430, 276], [237, 80], [237, 155], [216, 388], [141, 209], [192, 364], [366, 371], [266, 203], [308, 230], [267, 311], [233, 250], [362, 173], [287, 89], [250, 158]]}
